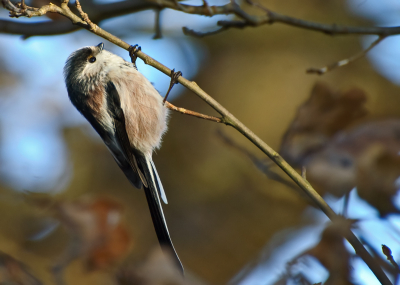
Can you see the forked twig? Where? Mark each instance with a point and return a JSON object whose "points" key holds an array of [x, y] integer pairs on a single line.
{"points": [[192, 113], [388, 253], [85, 17], [325, 69]]}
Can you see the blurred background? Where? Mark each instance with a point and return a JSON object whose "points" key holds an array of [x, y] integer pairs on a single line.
{"points": [[230, 222]]}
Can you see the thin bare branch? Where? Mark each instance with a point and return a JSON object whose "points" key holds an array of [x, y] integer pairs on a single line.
{"points": [[44, 28], [388, 253], [264, 166], [197, 34], [101, 12], [227, 118], [26, 11], [325, 69], [192, 113], [85, 16], [304, 172], [157, 25], [205, 5]]}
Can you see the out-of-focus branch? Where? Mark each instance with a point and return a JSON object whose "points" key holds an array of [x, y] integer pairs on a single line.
{"points": [[157, 25], [99, 12], [37, 29], [262, 165], [325, 69], [227, 118], [388, 253]]}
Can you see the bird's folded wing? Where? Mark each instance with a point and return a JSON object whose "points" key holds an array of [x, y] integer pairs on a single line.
{"points": [[120, 127]]}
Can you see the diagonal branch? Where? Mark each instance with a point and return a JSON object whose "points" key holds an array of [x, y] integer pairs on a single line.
{"points": [[228, 119], [101, 12], [325, 69]]}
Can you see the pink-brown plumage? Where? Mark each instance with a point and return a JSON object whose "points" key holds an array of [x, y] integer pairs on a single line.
{"points": [[146, 116], [128, 114]]}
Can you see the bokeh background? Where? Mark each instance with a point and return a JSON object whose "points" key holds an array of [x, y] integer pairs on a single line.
{"points": [[229, 222]]}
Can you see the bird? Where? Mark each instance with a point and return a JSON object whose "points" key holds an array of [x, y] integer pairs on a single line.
{"points": [[128, 113]]}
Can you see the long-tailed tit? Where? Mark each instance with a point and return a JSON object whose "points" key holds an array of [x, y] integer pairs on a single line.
{"points": [[128, 114]]}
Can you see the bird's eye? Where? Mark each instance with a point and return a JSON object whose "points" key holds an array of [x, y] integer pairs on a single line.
{"points": [[92, 59]]}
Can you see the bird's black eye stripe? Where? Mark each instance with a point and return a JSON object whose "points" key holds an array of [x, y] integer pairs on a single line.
{"points": [[92, 59]]}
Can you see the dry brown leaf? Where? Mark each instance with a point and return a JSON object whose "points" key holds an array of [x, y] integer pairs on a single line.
{"points": [[97, 232], [323, 115], [332, 254], [378, 168], [158, 269], [13, 272], [334, 169]]}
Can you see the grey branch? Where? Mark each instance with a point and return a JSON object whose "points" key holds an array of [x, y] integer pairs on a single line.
{"points": [[100, 12]]}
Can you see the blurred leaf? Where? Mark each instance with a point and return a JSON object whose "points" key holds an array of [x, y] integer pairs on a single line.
{"points": [[96, 229], [13, 272], [377, 171], [323, 115], [332, 253], [335, 168], [158, 269]]}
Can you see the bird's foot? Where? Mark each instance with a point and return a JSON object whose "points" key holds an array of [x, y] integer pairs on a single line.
{"points": [[133, 50], [174, 80]]}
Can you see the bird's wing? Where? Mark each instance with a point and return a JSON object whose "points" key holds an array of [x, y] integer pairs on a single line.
{"points": [[120, 127], [144, 167]]}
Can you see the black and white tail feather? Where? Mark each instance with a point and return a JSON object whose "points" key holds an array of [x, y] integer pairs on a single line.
{"points": [[153, 193], [142, 165]]}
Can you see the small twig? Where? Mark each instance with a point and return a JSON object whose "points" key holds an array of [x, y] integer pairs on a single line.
{"points": [[180, 6], [101, 12], [325, 69], [23, 5], [258, 5], [157, 25], [346, 204], [263, 166], [205, 5], [192, 113], [190, 32], [22, 10], [174, 80], [85, 17], [388, 253], [376, 255], [304, 172]]}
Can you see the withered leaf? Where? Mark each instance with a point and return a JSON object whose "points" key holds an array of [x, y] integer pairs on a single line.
{"points": [[159, 269], [378, 168], [332, 254], [334, 169], [14, 272], [97, 231], [323, 115]]}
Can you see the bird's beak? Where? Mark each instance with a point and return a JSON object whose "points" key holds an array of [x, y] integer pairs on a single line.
{"points": [[100, 46]]}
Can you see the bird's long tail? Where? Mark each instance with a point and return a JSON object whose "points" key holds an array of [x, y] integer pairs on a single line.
{"points": [[154, 202]]}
